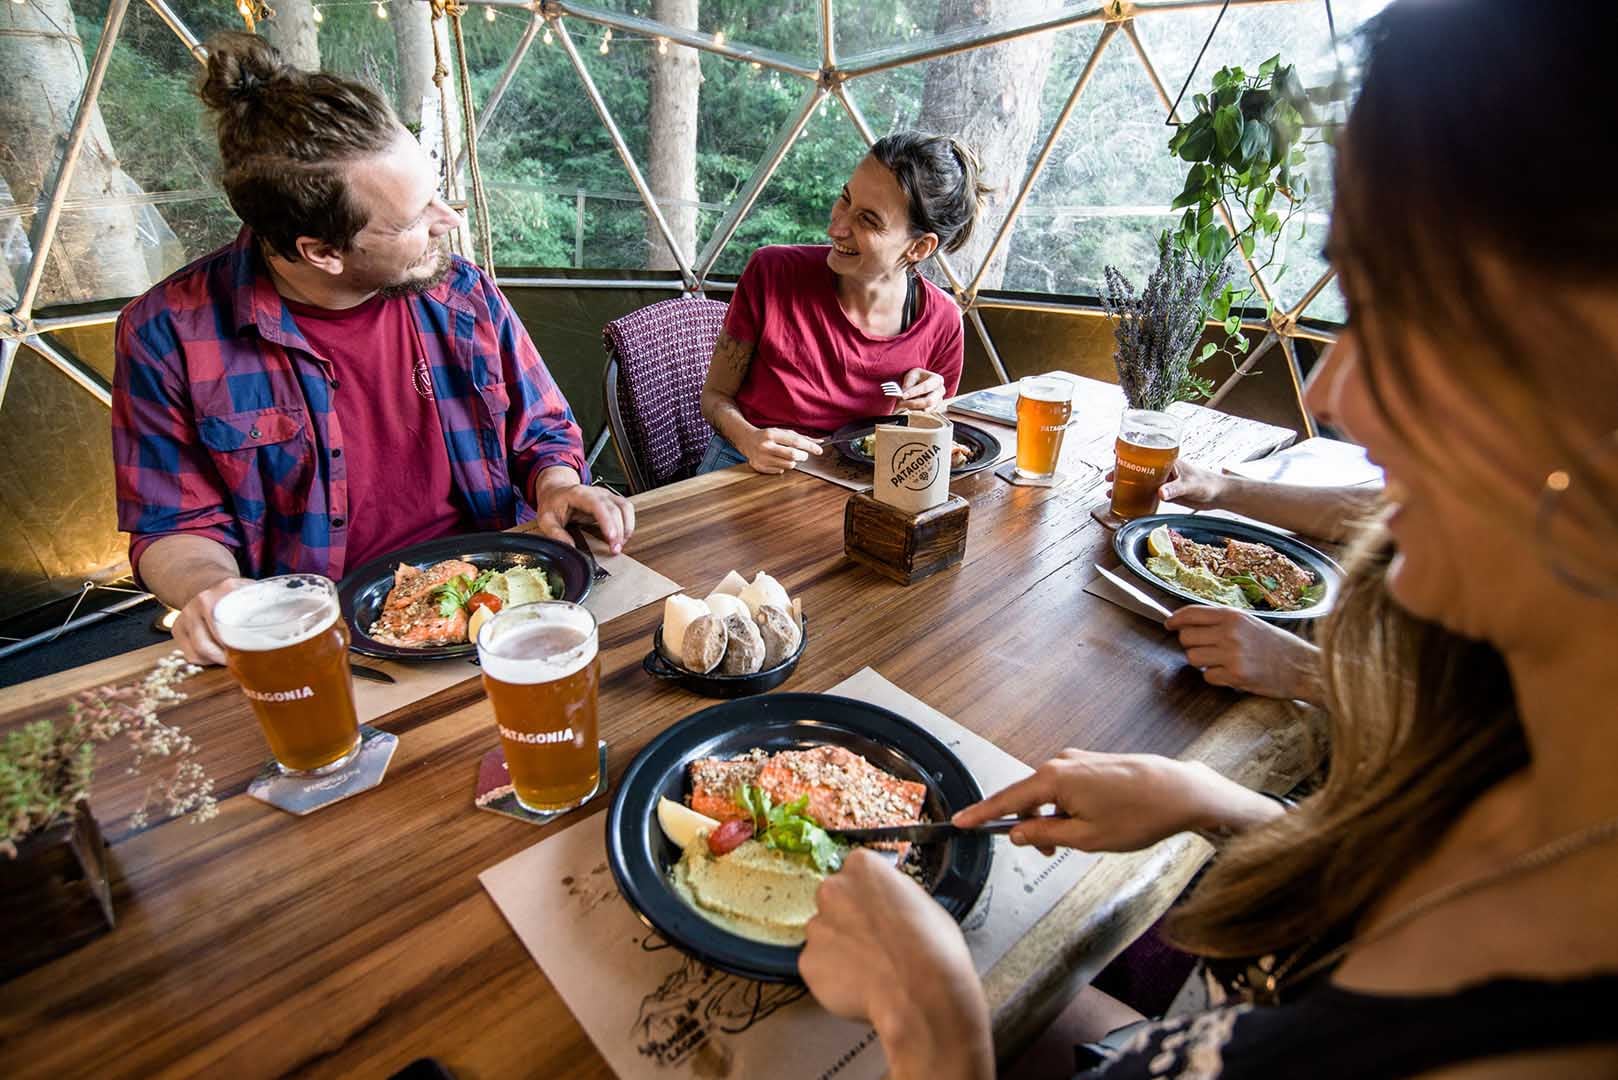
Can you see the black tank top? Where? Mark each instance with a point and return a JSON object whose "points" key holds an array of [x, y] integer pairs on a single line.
{"points": [[1330, 1033]]}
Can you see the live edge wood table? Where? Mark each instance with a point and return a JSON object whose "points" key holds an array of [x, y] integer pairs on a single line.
{"points": [[355, 940]]}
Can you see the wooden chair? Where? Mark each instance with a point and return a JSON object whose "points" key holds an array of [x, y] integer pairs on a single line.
{"points": [[657, 360]]}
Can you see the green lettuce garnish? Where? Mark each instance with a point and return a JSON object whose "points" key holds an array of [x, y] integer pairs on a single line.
{"points": [[788, 827], [454, 593]]}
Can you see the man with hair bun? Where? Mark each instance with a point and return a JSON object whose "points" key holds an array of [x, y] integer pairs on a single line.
{"points": [[333, 385]]}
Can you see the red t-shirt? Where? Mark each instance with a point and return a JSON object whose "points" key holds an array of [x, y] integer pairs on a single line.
{"points": [[400, 488], [813, 370]]}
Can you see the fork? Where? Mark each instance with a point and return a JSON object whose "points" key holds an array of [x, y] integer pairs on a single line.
{"points": [[892, 389]]}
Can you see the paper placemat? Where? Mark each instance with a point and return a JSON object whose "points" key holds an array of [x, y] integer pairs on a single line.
{"points": [[834, 468], [653, 1012], [630, 586]]}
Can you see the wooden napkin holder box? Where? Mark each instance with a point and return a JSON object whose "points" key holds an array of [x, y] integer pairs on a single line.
{"points": [[903, 546]]}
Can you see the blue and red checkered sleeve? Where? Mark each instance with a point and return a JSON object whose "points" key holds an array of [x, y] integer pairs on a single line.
{"points": [[540, 429], [165, 479]]}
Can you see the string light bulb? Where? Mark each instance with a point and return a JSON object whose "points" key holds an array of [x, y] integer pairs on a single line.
{"points": [[381, 9], [242, 8], [488, 14], [318, 17], [756, 66], [547, 35], [663, 46], [606, 40], [719, 37]]}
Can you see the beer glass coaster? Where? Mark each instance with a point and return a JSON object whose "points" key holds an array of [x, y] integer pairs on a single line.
{"points": [[1085, 474], [495, 793], [1102, 512], [306, 794]]}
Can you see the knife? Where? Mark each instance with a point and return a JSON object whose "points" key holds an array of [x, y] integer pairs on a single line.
{"points": [[931, 833], [362, 672], [1134, 593]]}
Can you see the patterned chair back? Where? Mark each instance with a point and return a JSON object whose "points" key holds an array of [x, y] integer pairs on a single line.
{"points": [[657, 360]]}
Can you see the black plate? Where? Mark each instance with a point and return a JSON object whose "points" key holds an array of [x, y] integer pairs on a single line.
{"points": [[1130, 544], [985, 447], [571, 573], [659, 666], [641, 857]]}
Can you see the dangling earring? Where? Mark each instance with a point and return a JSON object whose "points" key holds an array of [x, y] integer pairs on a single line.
{"points": [[1552, 496]]}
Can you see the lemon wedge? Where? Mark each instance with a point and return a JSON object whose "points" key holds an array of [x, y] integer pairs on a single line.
{"points": [[1158, 542], [681, 824], [475, 623]]}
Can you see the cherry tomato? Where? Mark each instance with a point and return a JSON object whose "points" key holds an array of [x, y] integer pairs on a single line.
{"points": [[729, 836], [483, 599]]}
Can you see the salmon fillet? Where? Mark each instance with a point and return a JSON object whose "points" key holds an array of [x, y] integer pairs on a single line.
{"points": [[845, 791], [1259, 561], [410, 614], [1264, 563]]}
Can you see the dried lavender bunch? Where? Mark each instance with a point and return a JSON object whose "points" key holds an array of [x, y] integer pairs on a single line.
{"points": [[45, 770], [1157, 330]]}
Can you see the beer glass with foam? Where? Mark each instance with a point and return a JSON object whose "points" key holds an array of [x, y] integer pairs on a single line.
{"points": [[1044, 406], [1148, 444], [287, 646], [541, 673]]}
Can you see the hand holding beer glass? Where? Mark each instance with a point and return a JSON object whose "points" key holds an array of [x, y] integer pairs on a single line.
{"points": [[1044, 406], [287, 647], [542, 674], [1148, 445]]}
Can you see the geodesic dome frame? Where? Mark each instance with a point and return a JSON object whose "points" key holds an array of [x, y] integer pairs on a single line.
{"points": [[834, 77]]}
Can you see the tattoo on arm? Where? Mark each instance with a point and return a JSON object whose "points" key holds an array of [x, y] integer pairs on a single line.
{"points": [[731, 359]]}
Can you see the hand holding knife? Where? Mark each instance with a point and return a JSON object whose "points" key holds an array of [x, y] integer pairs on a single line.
{"points": [[932, 832]]}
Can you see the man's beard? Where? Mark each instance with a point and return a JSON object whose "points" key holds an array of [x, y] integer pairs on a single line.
{"points": [[417, 286]]}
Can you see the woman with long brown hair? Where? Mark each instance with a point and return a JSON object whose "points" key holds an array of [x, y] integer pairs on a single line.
{"points": [[1446, 903]]}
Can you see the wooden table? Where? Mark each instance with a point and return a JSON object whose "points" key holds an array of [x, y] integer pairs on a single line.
{"points": [[357, 939]]}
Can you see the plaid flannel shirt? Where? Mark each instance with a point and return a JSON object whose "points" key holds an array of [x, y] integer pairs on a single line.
{"points": [[223, 424]]}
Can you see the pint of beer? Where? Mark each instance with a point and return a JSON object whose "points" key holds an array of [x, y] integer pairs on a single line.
{"points": [[541, 674], [1044, 406], [287, 646], [1148, 444]]}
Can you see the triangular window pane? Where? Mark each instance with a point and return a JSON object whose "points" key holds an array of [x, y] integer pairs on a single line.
{"points": [[1001, 100]]}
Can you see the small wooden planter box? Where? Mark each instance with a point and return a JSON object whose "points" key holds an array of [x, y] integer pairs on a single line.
{"points": [[55, 895], [905, 547]]}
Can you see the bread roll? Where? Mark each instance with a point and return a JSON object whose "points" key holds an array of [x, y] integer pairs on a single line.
{"points": [[679, 611], [764, 590], [781, 634], [744, 651], [704, 646], [723, 605]]}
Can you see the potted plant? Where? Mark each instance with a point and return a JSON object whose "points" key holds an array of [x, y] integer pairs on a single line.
{"points": [[1245, 148], [54, 888]]}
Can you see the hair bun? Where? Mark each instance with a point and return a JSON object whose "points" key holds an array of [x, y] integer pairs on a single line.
{"points": [[241, 68]]}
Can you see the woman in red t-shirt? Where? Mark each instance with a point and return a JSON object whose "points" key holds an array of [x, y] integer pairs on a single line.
{"points": [[814, 331]]}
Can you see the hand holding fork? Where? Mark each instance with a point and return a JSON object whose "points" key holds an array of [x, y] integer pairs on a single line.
{"points": [[920, 390]]}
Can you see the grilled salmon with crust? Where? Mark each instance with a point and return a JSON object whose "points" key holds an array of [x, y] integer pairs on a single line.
{"points": [[410, 614], [845, 791]]}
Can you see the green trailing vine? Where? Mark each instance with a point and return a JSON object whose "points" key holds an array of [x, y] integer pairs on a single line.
{"points": [[1246, 149]]}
